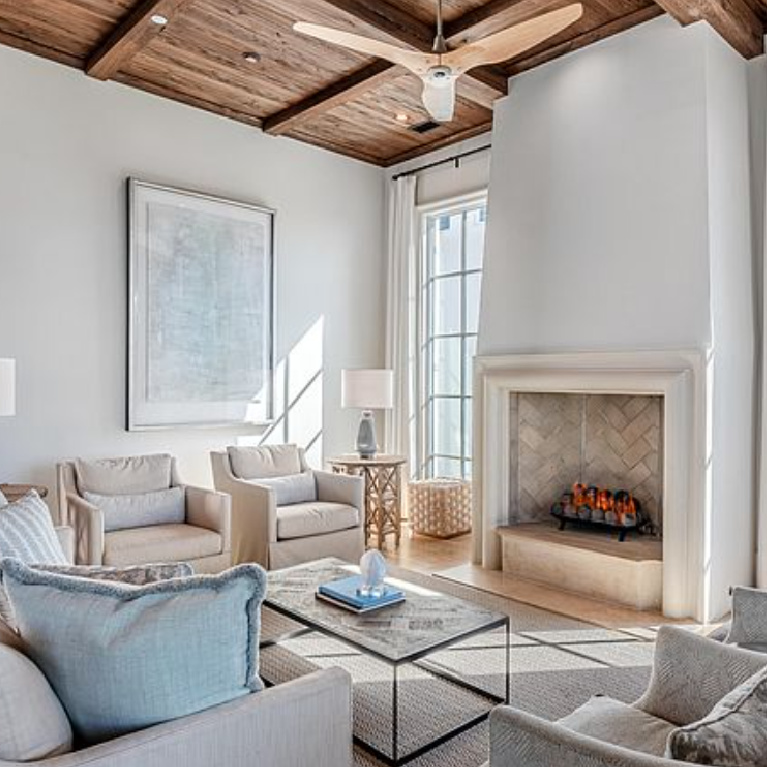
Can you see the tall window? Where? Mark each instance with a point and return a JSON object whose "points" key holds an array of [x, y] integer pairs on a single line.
{"points": [[452, 249]]}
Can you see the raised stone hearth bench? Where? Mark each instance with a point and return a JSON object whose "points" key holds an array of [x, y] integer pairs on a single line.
{"points": [[597, 566]]}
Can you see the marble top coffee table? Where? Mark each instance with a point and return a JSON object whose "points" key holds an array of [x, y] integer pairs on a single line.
{"points": [[406, 633]]}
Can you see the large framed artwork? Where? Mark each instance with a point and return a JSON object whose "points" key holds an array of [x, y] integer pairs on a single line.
{"points": [[200, 306]]}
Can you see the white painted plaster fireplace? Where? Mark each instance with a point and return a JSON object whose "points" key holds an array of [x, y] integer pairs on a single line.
{"points": [[679, 377]]}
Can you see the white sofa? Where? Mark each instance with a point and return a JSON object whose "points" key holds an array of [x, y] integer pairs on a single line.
{"points": [[276, 535]]}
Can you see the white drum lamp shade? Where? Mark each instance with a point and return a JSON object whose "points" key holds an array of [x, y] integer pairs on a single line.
{"points": [[7, 387], [367, 389]]}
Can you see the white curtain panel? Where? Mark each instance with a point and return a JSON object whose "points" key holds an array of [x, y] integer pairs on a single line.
{"points": [[401, 312], [760, 235]]}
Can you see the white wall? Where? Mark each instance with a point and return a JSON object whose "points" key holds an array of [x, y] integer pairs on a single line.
{"points": [[730, 542], [67, 144], [597, 233], [620, 220]]}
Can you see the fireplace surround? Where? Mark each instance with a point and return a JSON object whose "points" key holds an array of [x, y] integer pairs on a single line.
{"points": [[678, 376]]}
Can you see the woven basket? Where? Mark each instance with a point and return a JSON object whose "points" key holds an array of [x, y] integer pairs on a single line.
{"points": [[440, 508]]}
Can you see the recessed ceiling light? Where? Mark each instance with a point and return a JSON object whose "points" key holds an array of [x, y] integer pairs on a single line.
{"points": [[252, 56], [159, 19], [402, 117]]}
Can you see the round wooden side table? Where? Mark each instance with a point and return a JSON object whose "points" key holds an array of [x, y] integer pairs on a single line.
{"points": [[383, 492]]}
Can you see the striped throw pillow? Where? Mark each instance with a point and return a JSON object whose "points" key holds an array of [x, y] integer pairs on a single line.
{"points": [[27, 534]]}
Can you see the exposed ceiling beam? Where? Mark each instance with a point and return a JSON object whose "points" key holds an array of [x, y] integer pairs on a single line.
{"points": [[130, 35], [340, 92], [487, 83], [735, 20]]}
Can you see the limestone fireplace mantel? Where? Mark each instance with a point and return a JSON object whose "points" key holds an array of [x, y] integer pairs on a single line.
{"points": [[679, 376]]}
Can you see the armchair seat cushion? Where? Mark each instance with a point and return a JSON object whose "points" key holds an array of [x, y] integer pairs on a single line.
{"points": [[160, 543], [614, 722], [303, 520]]}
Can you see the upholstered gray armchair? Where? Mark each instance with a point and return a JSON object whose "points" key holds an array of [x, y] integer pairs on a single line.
{"points": [[691, 675], [283, 512], [134, 511]]}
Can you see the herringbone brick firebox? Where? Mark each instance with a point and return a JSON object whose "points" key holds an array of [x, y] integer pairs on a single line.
{"points": [[610, 440]]}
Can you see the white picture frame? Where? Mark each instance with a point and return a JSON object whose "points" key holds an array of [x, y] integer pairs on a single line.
{"points": [[200, 309]]}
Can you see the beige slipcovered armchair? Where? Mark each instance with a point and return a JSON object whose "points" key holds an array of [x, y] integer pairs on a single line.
{"points": [[135, 510], [284, 513], [691, 674]]}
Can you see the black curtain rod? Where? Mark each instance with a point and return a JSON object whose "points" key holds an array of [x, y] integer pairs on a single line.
{"points": [[455, 158]]}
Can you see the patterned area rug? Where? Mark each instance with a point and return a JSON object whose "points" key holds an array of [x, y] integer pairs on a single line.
{"points": [[557, 663]]}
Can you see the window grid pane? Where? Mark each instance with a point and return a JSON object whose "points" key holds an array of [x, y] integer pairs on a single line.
{"points": [[453, 243]]}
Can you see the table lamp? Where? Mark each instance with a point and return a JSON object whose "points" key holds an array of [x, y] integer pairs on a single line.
{"points": [[7, 387], [367, 390]]}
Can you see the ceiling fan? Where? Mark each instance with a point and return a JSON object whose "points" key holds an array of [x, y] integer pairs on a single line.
{"points": [[440, 69]]}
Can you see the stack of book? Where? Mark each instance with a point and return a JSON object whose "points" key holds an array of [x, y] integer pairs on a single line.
{"points": [[345, 593]]}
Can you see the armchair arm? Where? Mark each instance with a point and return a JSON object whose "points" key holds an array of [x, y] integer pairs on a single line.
{"points": [[212, 511], [254, 513], [341, 488], [517, 739], [248, 732], [88, 522], [66, 536]]}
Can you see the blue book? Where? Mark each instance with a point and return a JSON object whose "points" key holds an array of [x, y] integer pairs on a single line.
{"points": [[345, 593]]}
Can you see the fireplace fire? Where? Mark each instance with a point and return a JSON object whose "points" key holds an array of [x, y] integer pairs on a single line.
{"points": [[598, 507]]}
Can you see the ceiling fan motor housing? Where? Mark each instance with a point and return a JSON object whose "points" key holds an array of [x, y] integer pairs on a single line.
{"points": [[440, 75]]}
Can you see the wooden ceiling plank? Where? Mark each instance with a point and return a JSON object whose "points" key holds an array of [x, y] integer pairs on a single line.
{"points": [[453, 138], [340, 92], [129, 36], [614, 27], [735, 20], [39, 49], [389, 18]]}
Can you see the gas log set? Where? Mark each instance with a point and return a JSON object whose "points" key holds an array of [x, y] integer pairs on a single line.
{"points": [[592, 506]]}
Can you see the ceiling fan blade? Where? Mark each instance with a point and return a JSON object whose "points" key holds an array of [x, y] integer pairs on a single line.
{"points": [[439, 98], [508, 43], [415, 61]]}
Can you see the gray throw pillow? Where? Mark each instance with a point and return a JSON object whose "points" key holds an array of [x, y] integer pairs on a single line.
{"points": [[294, 488], [734, 734], [27, 534], [749, 617], [121, 658], [691, 674], [135, 575], [3, 500], [122, 512]]}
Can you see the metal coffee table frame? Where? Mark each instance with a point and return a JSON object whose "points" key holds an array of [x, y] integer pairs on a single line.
{"points": [[395, 759]]}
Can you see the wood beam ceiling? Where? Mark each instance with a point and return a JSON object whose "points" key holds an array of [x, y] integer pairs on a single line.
{"points": [[129, 36], [735, 20], [488, 83]]}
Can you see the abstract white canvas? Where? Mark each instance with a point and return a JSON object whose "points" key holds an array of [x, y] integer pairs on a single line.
{"points": [[200, 309]]}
